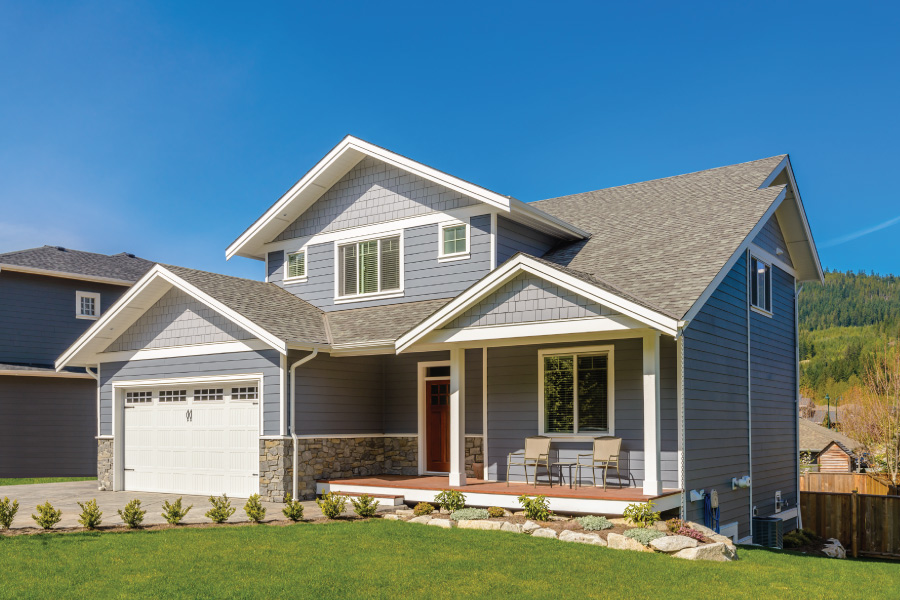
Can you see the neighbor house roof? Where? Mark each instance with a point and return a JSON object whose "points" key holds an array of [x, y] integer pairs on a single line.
{"points": [[814, 438], [122, 268]]}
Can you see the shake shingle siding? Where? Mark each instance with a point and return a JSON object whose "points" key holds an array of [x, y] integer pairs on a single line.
{"points": [[715, 400]]}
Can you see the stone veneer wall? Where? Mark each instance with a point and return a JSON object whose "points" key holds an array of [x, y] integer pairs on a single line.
{"points": [[105, 450], [474, 454]]}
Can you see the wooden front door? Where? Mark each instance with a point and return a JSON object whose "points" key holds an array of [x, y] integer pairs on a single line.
{"points": [[437, 425]]}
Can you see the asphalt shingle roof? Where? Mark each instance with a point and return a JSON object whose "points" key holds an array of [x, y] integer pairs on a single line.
{"points": [[664, 241], [124, 266], [815, 437], [379, 323]]}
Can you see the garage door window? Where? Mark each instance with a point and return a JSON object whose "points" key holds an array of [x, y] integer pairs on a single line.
{"points": [[209, 394], [244, 393], [173, 396], [138, 397]]}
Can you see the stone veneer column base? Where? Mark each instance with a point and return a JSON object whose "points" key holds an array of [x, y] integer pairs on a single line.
{"points": [[474, 454], [275, 469], [105, 458]]}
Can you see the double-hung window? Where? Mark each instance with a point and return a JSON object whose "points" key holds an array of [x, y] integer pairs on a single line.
{"points": [[576, 391], [760, 284], [369, 267], [296, 265], [87, 305], [454, 241]]}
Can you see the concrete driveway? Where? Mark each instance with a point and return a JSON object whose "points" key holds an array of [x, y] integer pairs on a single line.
{"points": [[65, 496]]}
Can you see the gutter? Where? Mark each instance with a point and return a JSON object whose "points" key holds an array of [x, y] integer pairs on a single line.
{"points": [[294, 438]]}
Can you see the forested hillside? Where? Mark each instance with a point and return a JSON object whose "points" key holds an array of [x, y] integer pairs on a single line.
{"points": [[842, 324]]}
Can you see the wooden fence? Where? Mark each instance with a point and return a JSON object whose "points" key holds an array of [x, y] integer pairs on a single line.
{"points": [[845, 483], [866, 524]]}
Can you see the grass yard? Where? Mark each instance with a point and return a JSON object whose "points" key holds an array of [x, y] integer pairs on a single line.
{"points": [[30, 480], [388, 559]]}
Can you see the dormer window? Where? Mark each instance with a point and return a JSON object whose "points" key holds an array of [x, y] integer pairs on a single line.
{"points": [[454, 241], [87, 305], [296, 265], [760, 285], [369, 268]]}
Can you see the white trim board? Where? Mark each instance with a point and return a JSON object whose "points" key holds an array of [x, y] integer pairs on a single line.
{"points": [[182, 351], [609, 351]]}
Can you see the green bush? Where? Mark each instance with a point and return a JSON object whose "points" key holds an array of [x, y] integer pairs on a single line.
{"points": [[450, 500], [537, 508], [91, 517], [641, 514], [644, 536], [800, 538], [594, 523], [221, 509], [675, 525], [423, 508], [469, 514], [293, 509], [332, 505], [133, 515], [175, 512], [254, 509], [47, 516], [496, 512], [365, 506], [8, 510]]}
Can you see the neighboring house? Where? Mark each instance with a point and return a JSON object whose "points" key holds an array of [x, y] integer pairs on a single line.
{"points": [[48, 297], [834, 452], [414, 323]]}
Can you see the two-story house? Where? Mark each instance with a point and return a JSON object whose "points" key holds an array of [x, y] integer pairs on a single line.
{"points": [[414, 328], [48, 297]]}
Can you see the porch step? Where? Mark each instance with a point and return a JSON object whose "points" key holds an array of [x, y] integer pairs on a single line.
{"points": [[384, 499]]}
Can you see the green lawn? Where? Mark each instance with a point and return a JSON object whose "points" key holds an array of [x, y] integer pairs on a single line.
{"points": [[30, 480], [387, 559]]}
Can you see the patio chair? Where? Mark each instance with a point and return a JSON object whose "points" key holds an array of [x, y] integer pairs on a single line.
{"points": [[605, 455], [536, 454]]}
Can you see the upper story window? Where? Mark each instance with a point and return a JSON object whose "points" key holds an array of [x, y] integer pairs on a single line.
{"points": [[87, 305], [454, 241], [296, 265], [760, 285], [369, 267], [576, 391]]}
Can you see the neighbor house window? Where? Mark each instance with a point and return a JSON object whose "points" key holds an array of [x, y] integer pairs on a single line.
{"points": [[369, 267], [454, 240], [87, 305], [296, 267], [760, 284], [576, 391]]}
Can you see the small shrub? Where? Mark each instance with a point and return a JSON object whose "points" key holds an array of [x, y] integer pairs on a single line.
{"points": [[451, 500], [366, 506], [496, 512], [644, 536], [254, 509], [423, 508], [641, 514], [8, 510], [293, 509], [691, 533], [221, 509], [175, 512], [47, 516], [91, 517], [469, 514], [594, 523], [674, 525], [537, 508], [801, 538], [332, 505], [133, 515]]}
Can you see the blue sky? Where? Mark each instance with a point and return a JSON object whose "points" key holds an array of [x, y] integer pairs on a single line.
{"points": [[166, 128]]}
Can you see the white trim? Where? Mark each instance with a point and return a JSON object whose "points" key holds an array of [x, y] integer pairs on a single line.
{"points": [[484, 411], [604, 324], [724, 529], [182, 351], [325, 436], [381, 294], [457, 416], [652, 417], [282, 394], [786, 514], [494, 238], [761, 311], [610, 391], [189, 381], [751, 276], [286, 267], [62, 275], [467, 253], [95, 296], [679, 390], [772, 260], [421, 369], [750, 391], [53, 374]]}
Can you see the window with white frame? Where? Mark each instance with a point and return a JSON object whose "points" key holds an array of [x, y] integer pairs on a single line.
{"points": [[576, 391], [138, 397], [87, 305], [244, 393], [209, 394], [454, 240], [173, 396], [296, 265], [369, 267], [760, 284]]}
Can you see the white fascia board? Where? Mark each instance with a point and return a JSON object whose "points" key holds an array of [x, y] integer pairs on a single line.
{"points": [[182, 351], [63, 275], [525, 264], [353, 149], [545, 329]]}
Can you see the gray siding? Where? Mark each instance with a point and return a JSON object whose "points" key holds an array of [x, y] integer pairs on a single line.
{"points": [[513, 409], [275, 267], [715, 400], [178, 319], [424, 277], [771, 240], [47, 427], [773, 395], [267, 362], [514, 237], [37, 315], [528, 298], [373, 192], [401, 410]]}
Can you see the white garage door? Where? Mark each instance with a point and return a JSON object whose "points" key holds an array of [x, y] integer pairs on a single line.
{"points": [[193, 440]]}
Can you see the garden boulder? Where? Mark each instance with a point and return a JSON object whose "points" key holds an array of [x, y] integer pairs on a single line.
{"points": [[581, 538], [673, 543], [620, 542]]}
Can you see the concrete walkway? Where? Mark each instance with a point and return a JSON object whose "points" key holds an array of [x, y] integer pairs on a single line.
{"points": [[65, 497]]}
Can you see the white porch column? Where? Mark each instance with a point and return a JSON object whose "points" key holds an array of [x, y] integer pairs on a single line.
{"points": [[457, 417], [652, 482]]}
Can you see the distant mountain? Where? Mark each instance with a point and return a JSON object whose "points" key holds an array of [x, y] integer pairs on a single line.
{"points": [[850, 300]]}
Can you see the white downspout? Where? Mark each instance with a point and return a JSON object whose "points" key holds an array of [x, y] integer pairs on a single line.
{"points": [[294, 366]]}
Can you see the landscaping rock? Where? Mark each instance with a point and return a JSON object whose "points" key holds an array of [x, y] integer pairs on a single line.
{"points": [[393, 517], [717, 552], [673, 543], [620, 542], [544, 532], [559, 518], [619, 521], [478, 524], [661, 526], [423, 519], [581, 538], [530, 526], [445, 523], [507, 512], [834, 549], [711, 535], [511, 527], [405, 512], [519, 513]]}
